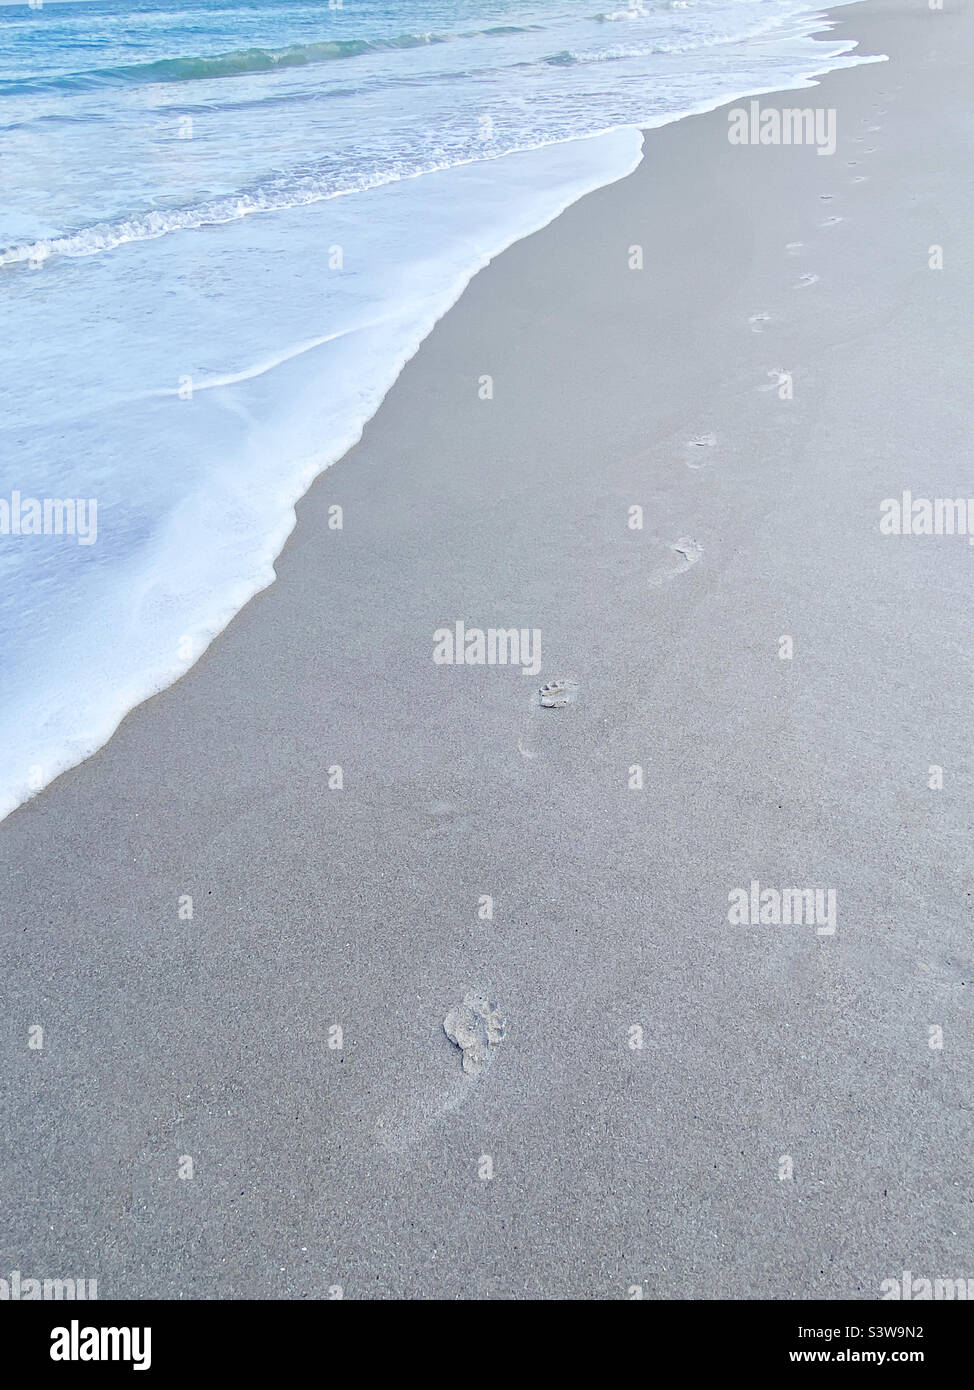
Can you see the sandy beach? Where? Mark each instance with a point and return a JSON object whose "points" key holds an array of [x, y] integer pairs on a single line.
{"points": [[680, 1105]]}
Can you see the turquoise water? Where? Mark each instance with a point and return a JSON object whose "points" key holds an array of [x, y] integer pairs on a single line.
{"points": [[224, 228]]}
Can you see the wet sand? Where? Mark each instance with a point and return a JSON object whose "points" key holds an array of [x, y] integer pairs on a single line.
{"points": [[360, 908]]}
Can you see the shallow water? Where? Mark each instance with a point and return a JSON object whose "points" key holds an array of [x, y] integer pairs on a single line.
{"points": [[224, 228]]}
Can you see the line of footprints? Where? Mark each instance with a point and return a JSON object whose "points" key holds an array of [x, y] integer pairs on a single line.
{"points": [[698, 451]]}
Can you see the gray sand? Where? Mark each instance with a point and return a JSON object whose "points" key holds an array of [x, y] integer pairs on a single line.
{"points": [[613, 1165]]}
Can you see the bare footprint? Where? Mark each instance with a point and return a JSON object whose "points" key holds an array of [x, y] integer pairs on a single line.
{"points": [[558, 694], [438, 1086], [552, 695], [476, 1026], [697, 450], [689, 552], [689, 549]]}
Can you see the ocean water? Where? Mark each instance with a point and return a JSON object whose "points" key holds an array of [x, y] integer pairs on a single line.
{"points": [[224, 227]]}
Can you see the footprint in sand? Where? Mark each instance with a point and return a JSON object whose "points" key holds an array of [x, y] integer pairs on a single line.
{"points": [[697, 451], [757, 320], [476, 1026], [806, 280], [689, 549], [555, 694], [689, 552], [409, 1114], [558, 694]]}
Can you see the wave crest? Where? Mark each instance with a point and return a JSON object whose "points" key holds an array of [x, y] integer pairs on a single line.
{"points": [[246, 60]]}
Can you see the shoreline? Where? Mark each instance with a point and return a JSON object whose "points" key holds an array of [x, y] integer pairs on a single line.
{"points": [[42, 737], [316, 907]]}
